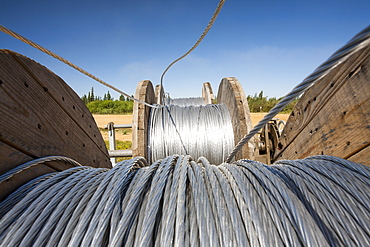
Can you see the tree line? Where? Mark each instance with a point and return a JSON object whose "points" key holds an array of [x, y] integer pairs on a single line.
{"points": [[91, 97], [261, 103], [108, 105]]}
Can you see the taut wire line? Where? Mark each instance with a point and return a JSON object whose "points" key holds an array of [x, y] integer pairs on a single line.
{"points": [[215, 14], [50, 53], [357, 43]]}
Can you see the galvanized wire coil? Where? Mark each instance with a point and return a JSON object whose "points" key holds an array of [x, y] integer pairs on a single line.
{"points": [[317, 201], [194, 101], [190, 130]]}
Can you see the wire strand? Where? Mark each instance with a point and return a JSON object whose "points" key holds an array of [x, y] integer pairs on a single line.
{"points": [[210, 24], [357, 43], [176, 201], [50, 53]]}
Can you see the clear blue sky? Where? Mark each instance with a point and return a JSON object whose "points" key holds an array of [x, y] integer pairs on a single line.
{"points": [[269, 45]]}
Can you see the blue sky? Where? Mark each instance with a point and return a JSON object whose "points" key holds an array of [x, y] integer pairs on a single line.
{"points": [[268, 45]]}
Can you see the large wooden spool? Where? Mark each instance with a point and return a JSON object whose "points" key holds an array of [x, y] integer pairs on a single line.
{"points": [[159, 94], [40, 115], [207, 93], [230, 92], [140, 117], [333, 117]]}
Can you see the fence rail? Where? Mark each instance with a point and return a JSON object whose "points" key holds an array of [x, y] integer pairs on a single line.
{"points": [[113, 153]]}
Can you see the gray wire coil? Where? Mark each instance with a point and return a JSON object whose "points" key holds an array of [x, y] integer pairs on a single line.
{"points": [[317, 201], [190, 130], [194, 101]]}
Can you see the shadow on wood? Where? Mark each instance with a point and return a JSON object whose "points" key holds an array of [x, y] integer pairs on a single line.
{"points": [[42, 116]]}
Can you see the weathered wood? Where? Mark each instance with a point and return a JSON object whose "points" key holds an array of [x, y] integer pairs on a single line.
{"points": [[68, 100], [140, 117], [159, 94], [333, 116], [207, 93], [232, 94], [362, 157], [10, 156], [40, 116]]}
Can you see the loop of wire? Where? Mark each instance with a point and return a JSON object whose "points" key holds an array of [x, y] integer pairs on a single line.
{"points": [[176, 201]]}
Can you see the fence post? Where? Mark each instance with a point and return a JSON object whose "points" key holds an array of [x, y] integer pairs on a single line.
{"points": [[112, 141]]}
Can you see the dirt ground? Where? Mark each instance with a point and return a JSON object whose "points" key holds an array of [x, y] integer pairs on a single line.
{"points": [[256, 117], [103, 120], [121, 135]]}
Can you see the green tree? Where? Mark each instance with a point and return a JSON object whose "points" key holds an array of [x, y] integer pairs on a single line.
{"points": [[109, 97], [92, 96], [84, 98], [260, 95], [259, 103]]}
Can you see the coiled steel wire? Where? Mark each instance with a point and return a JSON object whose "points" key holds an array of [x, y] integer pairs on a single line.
{"points": [[176, 201], [194, 101], [203, 130]]}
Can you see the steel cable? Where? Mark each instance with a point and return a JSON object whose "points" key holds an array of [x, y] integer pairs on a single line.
{"points": [[56, 56], [204, 130], [357, 43], [194, 101], [36, 162], [210, 24], [317, 201], [63, 60], [332, 201], [58, 219], [21, 192], [12, 216]]}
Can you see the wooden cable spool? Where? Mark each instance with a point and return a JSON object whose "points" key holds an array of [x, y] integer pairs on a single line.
{"points": [[230, 92], [332, 117], [159, 94], [144, 92], [207, 93], [42, 116]]}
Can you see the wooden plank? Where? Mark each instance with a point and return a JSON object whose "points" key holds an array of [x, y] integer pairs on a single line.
{"points": [[34, 120], [65, 97], [140, 117], [232, 94], [207, 93], [333, 116], [362, 157], [158, 94], [11, 158]]}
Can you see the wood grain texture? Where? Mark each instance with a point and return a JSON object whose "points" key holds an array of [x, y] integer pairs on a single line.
{"points": [[40, 115], [144, 92], [332, 117], [207, 93], [232, 94], [362, 157], [158, 94], [10, 156], [67, 99]]}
